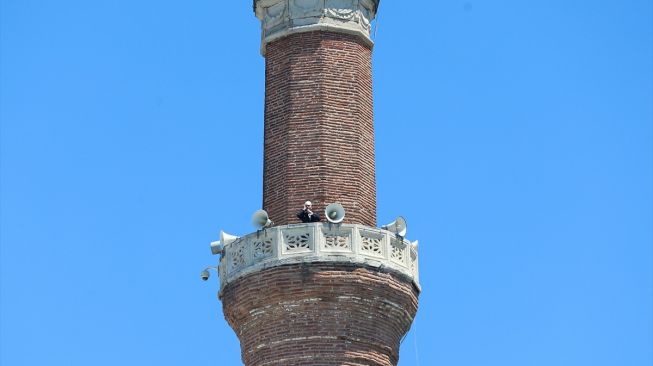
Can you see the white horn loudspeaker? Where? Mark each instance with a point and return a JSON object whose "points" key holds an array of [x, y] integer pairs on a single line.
{"points": [[260, 219], [398, 226], [227, 239], [216, 247], [335, 213]]}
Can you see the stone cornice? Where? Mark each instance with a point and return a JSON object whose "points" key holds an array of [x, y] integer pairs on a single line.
{"points": [[280, 18], [318, 242]]}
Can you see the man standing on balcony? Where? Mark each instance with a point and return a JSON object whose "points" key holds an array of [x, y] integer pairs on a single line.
{"points": [[306, 215]]}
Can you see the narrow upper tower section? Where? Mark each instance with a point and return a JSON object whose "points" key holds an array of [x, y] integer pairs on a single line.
{"points": [[319, 131]]}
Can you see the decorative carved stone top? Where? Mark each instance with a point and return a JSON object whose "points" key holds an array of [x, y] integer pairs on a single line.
{"points": [[318, 242], [280, 18]]}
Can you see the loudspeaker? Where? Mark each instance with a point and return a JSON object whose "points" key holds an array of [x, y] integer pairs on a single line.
{"points": [[216, 247], [335, 213], [227, 239], [398, 226], [261, 220]]}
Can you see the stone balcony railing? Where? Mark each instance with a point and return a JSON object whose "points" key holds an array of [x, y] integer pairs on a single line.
{"points": [[318, 242]]}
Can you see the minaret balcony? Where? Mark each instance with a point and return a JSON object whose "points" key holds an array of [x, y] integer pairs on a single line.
{"points": [[319, 242]]}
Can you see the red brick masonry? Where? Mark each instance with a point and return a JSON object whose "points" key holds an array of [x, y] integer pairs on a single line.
{"points": [[320, 314], [319, 133]]}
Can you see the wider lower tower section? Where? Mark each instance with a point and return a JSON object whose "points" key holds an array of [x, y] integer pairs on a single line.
{"points": [[315, 294], [319, 293]]}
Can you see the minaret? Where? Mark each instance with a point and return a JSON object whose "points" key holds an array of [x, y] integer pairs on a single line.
{"points": [[319, 293]]}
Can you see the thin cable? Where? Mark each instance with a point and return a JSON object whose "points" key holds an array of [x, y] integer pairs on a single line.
{"points": [[415, 345]]}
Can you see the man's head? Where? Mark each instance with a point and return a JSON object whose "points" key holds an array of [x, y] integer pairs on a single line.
{"points": [[308, 205]]}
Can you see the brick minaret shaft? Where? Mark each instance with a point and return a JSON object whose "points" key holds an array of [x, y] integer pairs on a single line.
{"points": [[320, 314], [319, 133], [316, 294]]}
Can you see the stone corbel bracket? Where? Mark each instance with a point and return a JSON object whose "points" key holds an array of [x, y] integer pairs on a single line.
{"points": [[319, 242], [280, 18]]}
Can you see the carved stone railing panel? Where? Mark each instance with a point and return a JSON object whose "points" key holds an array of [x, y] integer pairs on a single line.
{"points": [[398, 251], [263, 247], [372, 243], [414, 266], [283, 17], [336, 239], [237, 256], [317, 242], [298, 240]]}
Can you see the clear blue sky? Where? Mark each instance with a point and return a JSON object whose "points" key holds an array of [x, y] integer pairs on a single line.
{"points": [[515, 137]]}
